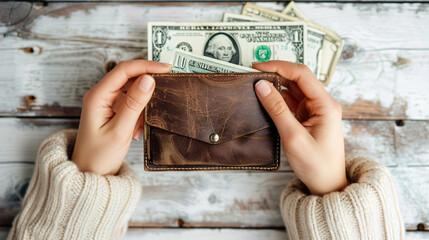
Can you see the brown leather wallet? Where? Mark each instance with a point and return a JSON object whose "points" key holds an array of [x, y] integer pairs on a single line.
{"points": [[209, 121]]}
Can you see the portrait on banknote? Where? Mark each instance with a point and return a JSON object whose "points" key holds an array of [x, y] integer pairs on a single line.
{"points": [[222, 46]]}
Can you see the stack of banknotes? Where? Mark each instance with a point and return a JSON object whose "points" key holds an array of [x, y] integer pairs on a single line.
{"points": [[257, 34]]}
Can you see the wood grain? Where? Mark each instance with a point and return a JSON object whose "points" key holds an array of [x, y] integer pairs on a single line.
{"points": [[21, 138], [371, 138], [410, 183], [14, 179], [215, 234], [206, 234], [52, 80], [412, 143], [222, 1], [382, 74]]}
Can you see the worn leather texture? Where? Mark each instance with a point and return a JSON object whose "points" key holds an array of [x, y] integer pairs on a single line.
{"points": [[186, 109]]}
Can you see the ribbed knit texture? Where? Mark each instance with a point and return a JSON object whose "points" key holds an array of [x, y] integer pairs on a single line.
{"points": [[366, 209], [63, 203]]}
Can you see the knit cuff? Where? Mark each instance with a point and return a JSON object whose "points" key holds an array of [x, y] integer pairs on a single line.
{"points": [[63, 203], [365, 209]]}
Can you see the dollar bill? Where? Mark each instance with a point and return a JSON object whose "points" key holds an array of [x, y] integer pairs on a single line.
{"points": [[292, 10], [314, 42], [324, 46], [234, 17], [237, 43], [186, 62]]}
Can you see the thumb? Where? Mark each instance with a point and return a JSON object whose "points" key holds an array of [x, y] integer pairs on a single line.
{"points": [[134, 102], [277, 108]]}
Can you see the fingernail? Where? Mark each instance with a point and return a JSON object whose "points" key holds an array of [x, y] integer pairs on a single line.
{"points": [[167, 65], [263, 88], [257, 62], [138, 134], [146, 83]]}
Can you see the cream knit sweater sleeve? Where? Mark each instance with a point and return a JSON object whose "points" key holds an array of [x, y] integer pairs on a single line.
{"points": [[366, 209], [63, 203]]}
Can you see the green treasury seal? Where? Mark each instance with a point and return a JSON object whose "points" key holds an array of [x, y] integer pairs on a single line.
{"points": [[263, 53]]}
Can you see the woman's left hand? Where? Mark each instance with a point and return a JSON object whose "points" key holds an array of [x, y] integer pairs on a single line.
{"points": [[110, 119]]}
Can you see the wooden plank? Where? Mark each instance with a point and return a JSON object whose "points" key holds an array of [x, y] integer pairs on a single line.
{"points": [[412, 189], [223, 1], [285, 1], [125, 24], [412, 143], [111, 24], [22, 138], [362, 1], [380, 73], [14, 179], [417, 235], [52, 80], [376, 78], [218, 199], [371, 138], [206, 234], [250, 199], [377, 88], [4, 232], [238, 234], [381, 140], [214, 234], [211, 199]]}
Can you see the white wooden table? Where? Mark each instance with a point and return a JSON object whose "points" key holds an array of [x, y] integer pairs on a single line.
{"points": [[50, 56]]}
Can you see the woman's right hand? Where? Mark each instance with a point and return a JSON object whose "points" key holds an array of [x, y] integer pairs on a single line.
{"points": [[111, 118], [312, 139]]}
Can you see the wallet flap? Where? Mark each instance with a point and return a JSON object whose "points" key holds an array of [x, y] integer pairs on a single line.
{"points": [[213, 108]]}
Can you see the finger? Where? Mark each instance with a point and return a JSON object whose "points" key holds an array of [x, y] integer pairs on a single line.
{"points": [[302, 114], [103, 94], [294, 90], [118, 102], [276, 107], [298, 73], [120, 96], [291, 101], [128, 84], [133, 104], [138, 129], [118, 77]]}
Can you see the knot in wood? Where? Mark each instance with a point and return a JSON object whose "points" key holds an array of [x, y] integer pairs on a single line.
{"points": [[349, 51], [37, 50], [180, 222], [399, 123], [110, 65]]}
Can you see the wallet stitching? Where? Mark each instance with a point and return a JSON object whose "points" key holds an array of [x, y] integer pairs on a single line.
{"points": [[220, 167]]}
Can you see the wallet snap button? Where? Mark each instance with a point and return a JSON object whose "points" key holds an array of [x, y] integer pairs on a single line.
{"points": [[214, 138]]}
